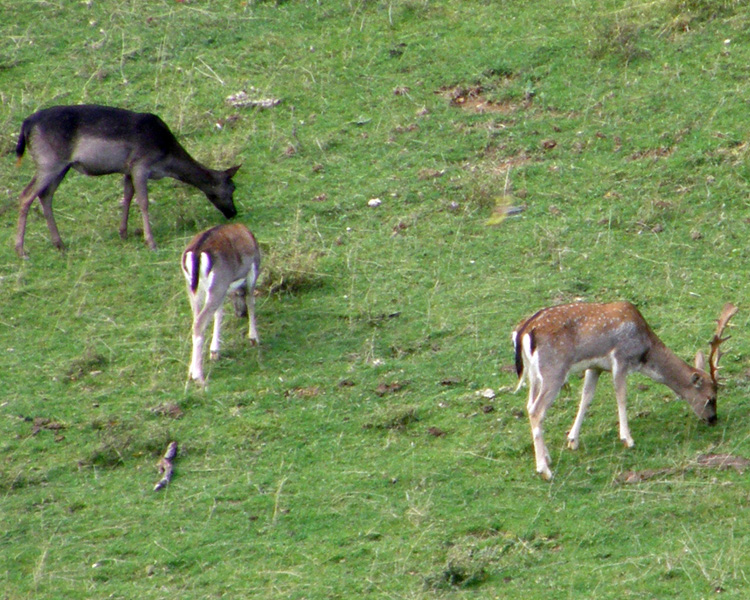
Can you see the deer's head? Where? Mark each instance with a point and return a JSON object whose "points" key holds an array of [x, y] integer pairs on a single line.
{"points": [[221, 194], [704, 384]]}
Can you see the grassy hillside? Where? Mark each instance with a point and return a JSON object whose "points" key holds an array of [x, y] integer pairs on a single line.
{"points": [[356, 452]]}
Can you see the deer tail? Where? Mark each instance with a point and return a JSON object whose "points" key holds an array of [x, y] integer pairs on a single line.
{"points": [[517, 337], [519, 354], [195, 271], [197, 250], [21, 145]]}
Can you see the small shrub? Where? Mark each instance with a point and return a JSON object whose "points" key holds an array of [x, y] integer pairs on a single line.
{"points": [[703, 10], [122, 441], [91, 362], [291, 265], [457, 575], [619, 39], [398, 420], [289, 270]]}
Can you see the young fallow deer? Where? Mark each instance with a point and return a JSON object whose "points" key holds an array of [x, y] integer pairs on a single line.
{"points": [[605, 337], [99, 140], [217, 261]]}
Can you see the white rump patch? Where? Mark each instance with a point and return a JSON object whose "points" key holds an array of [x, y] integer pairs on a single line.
{"points": [[187, 266], [205, 275], [531, 360]]}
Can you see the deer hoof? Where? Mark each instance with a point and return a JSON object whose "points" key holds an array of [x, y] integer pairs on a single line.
{"points": [[214, 355], [545, 473], [572, 444], [198, 380], [195, 373], [629, 443]]}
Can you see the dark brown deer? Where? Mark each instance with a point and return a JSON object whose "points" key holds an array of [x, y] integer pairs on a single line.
{"points": [[605, 337], [220, 260], [100, 140]]}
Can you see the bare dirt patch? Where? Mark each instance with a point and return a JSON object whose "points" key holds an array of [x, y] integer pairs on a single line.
{"points": [[473, 98], [720, 462], [43, 423], [653, 153], [500, 164], [303, 392], [389, 388], [723, 461], [168, 409]]}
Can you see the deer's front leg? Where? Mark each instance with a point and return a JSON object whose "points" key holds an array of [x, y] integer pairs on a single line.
{"points": [[127, 197], [619, 376], [140, 181], [589, 386], [244, 305], [252, 333]]}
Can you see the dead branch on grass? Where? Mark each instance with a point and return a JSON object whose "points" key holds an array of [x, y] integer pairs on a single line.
{"points": [[165, 466]]}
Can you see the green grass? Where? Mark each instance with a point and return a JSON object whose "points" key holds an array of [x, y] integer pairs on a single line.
{"points": [[352, 455]]}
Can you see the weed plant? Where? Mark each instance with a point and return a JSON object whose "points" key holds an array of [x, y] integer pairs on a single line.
{"points": [[354, 454]]}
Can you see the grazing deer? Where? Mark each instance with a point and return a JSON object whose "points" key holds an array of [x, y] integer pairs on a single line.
{"points": [[99, 140], [605, 337], [217, 261]]}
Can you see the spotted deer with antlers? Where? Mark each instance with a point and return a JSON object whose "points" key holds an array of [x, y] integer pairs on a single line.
{"points": [[605, 337]]}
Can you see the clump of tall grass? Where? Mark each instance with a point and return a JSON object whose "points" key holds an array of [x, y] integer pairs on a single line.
{"points": [[620, 39], [684, 16], [703, 9], [291, 264]]}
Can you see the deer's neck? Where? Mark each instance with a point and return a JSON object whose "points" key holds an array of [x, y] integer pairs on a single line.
{"points": [[664, 366], [185, 168]]}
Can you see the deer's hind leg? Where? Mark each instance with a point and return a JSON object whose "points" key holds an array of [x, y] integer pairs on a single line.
{"points": [[45, 199], [24, 204], [216, 336], [252, 278], [204, 308], [542, 394], [43, 186]]}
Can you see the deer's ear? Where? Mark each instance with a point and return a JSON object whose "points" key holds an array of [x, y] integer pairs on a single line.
{"points": [[700, 361], [696, 380], [232, 170]]}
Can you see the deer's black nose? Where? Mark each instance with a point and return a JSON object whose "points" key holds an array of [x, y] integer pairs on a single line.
{"points": [[712, 419]]}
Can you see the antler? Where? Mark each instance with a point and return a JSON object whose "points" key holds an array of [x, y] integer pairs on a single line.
{"points": [[727, 313]]}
